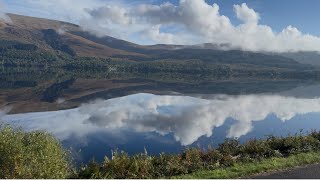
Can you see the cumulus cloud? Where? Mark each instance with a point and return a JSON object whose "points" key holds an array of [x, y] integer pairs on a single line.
{"points": [[188, 22], [246, 14], [200, 22], [139, 19], [187, 118]]}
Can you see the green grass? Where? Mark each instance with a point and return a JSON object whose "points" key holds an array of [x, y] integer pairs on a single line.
{"points": [[247, 169]]}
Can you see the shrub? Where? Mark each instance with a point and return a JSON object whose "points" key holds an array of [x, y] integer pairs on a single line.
{"points": [[294, 144], [167, 165], [315, 134], [227, 160], [90, 171], [120, 166], [211, 158], [31, 155], [191, 159], [309, 143], [230, 147], [141, 166], [257, 149]]}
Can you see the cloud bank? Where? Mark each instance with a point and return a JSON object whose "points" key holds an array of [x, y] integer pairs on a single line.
{"points": [[194, 22], [187, 118], [187, 22]]}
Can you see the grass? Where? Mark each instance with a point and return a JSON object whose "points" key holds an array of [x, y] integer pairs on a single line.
{"points": [[239, 170]]}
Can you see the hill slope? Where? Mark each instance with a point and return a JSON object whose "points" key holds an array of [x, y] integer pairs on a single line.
{"points": [[41, 40], [53, 36]]}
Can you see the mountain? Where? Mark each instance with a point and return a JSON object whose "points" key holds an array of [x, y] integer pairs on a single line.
{"points": [[312, 58], [53, 36], [30, 40]]}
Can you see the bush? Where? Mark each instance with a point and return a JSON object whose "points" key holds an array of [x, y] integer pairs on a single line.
{"points": [[31, 155], [257, 149], [191, 159], [212, 158], [121, 166], [227, 160], [230, 147], [315, 135], [90, 171], [294, 144], [167, 165]]}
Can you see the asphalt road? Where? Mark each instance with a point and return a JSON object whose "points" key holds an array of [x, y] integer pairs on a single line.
{"points": [[306, 172]]}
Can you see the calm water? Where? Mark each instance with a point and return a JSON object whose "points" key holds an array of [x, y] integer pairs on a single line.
{"points": [[170, 123]]}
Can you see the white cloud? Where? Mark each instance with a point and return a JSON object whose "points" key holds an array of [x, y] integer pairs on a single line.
{"points": [[187, 118], [154, 34], [115, 14], [198, 22], [203, 23], [246, 14]]}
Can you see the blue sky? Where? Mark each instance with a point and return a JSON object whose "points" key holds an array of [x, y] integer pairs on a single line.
{"points": [[303, 14], [276, 13], [290, 25]]}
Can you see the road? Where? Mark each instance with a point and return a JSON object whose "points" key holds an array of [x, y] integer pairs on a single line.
{"points": [[305, 172]]}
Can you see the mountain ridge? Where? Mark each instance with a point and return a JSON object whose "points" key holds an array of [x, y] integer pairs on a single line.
{"points": [[62, 38]]}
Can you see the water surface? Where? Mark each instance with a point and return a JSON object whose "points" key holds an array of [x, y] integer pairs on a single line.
{"points": [[170, 123]]}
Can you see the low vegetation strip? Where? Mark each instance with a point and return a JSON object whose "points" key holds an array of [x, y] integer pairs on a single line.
{"points": [[247, 169], [39, 155], [228, 155]]}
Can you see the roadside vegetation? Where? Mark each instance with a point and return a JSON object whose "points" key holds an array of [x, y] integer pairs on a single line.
{"points": [[230, 159], [39, 155], [28, 155]]}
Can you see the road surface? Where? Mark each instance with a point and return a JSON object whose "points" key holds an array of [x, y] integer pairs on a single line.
{"points": [[305, 172]]}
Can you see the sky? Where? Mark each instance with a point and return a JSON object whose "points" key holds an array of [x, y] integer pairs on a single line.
{"points": [[256, 25]]}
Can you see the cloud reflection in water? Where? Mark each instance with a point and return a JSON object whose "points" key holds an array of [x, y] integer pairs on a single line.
{"points": [[187, 118]]}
